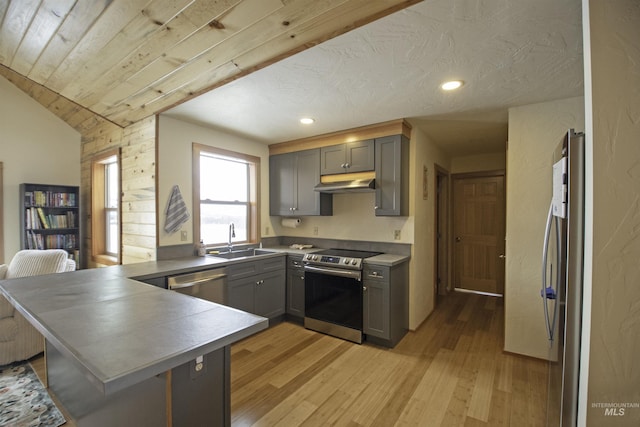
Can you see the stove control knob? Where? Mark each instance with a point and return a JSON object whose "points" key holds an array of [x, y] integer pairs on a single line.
{"points": [[315, 257], [346, 260], [354, 262]]}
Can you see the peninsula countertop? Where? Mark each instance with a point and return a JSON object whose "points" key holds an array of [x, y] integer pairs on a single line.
{"points": [[119, 331]]}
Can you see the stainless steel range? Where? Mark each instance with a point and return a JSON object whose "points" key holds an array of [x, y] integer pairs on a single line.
{"points": [[333, 292]]}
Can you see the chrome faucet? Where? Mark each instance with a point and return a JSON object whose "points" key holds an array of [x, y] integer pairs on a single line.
{"points": [[232, 233]]}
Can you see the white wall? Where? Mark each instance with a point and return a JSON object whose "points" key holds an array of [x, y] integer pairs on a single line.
{"points": [[534, 133], [424, 153], [479, 162], [612, 273], [35, 147], [175, 140]]}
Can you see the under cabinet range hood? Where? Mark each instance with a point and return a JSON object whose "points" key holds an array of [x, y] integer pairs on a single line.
{"points": [[347, 182], [351, 186]]}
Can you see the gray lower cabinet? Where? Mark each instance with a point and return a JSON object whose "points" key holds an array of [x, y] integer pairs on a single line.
{"points": [[392, 176], [295, 287], [385, 305], [258, 287], [292, 179]]}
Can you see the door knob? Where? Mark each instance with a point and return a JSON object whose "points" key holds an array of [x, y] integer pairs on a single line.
{"points": [[458, 239], [503, 256]]}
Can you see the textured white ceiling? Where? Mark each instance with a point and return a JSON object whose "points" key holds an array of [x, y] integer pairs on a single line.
{"points": [[508, 52]]}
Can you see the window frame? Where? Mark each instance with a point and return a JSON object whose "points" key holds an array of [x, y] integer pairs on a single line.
{"points": [[253, 202], [99, 209]]}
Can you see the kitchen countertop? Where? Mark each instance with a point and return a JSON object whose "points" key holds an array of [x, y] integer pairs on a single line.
{"points": [[119, 331], [388, 260]]}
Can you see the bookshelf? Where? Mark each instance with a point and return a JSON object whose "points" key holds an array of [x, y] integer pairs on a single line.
{"points": [[50, 218]]}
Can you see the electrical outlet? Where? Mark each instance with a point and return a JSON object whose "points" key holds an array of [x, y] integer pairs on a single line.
{"points": [[183, 235], [315, 230], [396, 234]]}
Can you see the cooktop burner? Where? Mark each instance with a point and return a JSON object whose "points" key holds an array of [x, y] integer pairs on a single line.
{"points": [[340, 258], [347, 253]]}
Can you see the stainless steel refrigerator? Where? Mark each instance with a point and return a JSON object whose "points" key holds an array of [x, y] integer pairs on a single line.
{"points": [[562, 270]]}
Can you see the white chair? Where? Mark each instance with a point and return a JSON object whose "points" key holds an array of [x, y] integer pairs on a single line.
{"points": [[18, 339]]}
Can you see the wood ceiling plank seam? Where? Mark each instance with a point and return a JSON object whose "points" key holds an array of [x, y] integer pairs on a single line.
{"points": [[179, 55], [154, 49], [76, 24], [151, 21], [127, 66], [18, 17], [203, 64], [43, 27], [109, 23], [202, 12]]}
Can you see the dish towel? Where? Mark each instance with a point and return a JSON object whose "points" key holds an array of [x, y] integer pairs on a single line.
{"points": [[177, 213]]}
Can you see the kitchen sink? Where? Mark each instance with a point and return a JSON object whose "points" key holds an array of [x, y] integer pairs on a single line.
{"points": [[240, 253]]}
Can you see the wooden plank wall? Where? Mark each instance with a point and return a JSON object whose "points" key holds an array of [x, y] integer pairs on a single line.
{"points": [[137, 144]]}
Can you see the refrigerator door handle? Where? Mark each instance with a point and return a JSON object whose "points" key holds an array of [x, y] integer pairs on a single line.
{"points": [[547, 292]]}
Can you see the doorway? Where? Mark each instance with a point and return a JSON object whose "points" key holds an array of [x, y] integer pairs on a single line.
{"points": [[441, 253], [478, 231]]}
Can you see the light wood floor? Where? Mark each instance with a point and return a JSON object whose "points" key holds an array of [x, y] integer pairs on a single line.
{"points": [[451, 372]]}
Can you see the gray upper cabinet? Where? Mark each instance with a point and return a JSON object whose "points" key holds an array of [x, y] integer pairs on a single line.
{"points": [[392, 176], [356, 156], [292, 179]]}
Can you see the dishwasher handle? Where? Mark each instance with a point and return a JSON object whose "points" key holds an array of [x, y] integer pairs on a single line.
{"points": [[179, 282]]}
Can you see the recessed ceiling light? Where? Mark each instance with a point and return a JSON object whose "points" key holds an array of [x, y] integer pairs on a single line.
{"points": [[451, 85], [306, 120]]}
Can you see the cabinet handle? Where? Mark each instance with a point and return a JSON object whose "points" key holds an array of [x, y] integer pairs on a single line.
{"points": [[259, 282], [364, 289], [347, 165], [301, 277], [375, 208], [342, 166]]}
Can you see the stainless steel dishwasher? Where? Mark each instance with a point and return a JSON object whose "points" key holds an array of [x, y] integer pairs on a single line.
{"points": [[209, 285]]}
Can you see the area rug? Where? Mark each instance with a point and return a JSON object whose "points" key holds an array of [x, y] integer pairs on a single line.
{"points": [[24, 402]]}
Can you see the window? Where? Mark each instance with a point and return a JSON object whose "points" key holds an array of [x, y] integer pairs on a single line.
{"points": [[105, 208], [226, 186], [111, 206]]}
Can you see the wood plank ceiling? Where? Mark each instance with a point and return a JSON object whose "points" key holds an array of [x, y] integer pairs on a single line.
{"points": [[129, 59]]}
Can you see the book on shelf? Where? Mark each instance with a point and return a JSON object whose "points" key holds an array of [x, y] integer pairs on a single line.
{"points": [[43, 219], [50, 199], [36, 219]]}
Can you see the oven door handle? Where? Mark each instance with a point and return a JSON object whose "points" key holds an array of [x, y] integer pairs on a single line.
{"points": [[351, 274]]}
